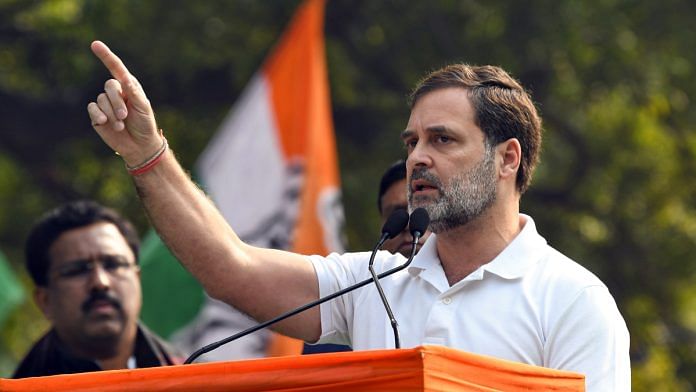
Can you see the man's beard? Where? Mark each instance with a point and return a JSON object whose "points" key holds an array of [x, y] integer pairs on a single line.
{"points": [[468, 195]]}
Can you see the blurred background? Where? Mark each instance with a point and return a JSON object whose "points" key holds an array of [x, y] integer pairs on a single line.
{"points": [[615, 82]]}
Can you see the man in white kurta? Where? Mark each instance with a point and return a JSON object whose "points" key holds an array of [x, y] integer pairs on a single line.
{"points": [[530, 304]]}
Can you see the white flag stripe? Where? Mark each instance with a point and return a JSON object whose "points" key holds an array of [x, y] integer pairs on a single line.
{"points": [[243, 168]]}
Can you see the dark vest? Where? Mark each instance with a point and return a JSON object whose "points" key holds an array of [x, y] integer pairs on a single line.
{"points": [[49, 356]]}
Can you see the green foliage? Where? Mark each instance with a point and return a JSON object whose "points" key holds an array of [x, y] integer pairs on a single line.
{"points": [[614, 80]]}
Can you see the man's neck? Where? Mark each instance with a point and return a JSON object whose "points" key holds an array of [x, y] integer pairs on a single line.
{"points": [[464, 249], [119, 360], [108, 355]]}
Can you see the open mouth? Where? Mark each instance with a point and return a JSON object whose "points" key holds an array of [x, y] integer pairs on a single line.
{"points": [[422, 186]]}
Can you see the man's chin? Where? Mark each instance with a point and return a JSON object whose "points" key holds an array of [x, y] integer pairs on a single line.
{"points": [[423, 201], [405, 251], [430, 207], [104, 330]]}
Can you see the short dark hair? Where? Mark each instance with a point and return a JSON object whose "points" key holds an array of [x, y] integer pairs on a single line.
{"points": [[504, 110], [396, 172], [67, 217]]}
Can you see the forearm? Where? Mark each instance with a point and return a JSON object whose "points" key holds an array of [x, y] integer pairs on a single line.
{"points": [[181, 214], [246, 277]]}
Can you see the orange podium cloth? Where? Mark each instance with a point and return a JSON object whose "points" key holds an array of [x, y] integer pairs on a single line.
{"points": [[425, 368]]}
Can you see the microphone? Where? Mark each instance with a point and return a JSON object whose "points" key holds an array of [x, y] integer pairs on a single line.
{"points": [[392, 227], [422, 223], [418, 224], [395, 223]]}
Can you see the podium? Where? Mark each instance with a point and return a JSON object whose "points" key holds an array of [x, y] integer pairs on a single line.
{"points": [[424, 368]]}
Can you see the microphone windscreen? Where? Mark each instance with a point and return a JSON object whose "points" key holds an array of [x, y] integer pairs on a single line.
{"points": [[396, 223], [419, 221]]}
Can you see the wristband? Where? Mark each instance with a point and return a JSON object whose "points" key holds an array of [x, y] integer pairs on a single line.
{"points": [[150, 162]]}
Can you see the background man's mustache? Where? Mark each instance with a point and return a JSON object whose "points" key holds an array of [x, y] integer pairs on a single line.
{"points": [[100, 296]]}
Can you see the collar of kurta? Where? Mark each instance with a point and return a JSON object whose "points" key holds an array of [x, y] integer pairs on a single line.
{"points": [[513, 262]]}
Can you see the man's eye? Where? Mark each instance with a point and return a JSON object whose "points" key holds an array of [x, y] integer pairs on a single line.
{"points": [[113, 263], [443, 139], [110, 265], [75, 269]]}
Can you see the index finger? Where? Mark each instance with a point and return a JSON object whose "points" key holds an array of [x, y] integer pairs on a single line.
{"points": [[111, 61]]}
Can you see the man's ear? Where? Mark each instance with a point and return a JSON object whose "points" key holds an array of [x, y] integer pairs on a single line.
{"points": [[511, 153], [42, 300]]}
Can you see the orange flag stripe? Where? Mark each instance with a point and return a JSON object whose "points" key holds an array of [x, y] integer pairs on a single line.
{"points": [[299, 88], [300, 98]]}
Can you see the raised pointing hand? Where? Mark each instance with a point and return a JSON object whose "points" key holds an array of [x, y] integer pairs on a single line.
{"points": [[122, 115]]}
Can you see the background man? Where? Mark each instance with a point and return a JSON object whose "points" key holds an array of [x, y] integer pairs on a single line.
{"points": [[83, 259], [392, 196], [485, 282]]}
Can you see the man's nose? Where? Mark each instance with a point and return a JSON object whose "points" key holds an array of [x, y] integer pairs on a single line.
{"points": [[419, 156], [99, 278]]}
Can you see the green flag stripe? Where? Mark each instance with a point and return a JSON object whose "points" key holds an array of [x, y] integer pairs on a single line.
{"points": [[11, 291], [171, 296]]}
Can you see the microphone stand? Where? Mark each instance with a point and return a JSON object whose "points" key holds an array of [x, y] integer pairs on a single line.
{"points": [[214, 345], [375, 278]]}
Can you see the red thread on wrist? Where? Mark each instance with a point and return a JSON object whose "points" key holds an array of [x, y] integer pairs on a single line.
{"points": [[147, 167], [150, 162]]}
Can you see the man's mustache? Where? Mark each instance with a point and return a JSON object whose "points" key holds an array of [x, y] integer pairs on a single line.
{"points": [[100, 296], [423, 174]]}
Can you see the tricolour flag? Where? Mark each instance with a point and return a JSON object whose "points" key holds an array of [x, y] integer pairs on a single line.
{"points": [[272, 171]]}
